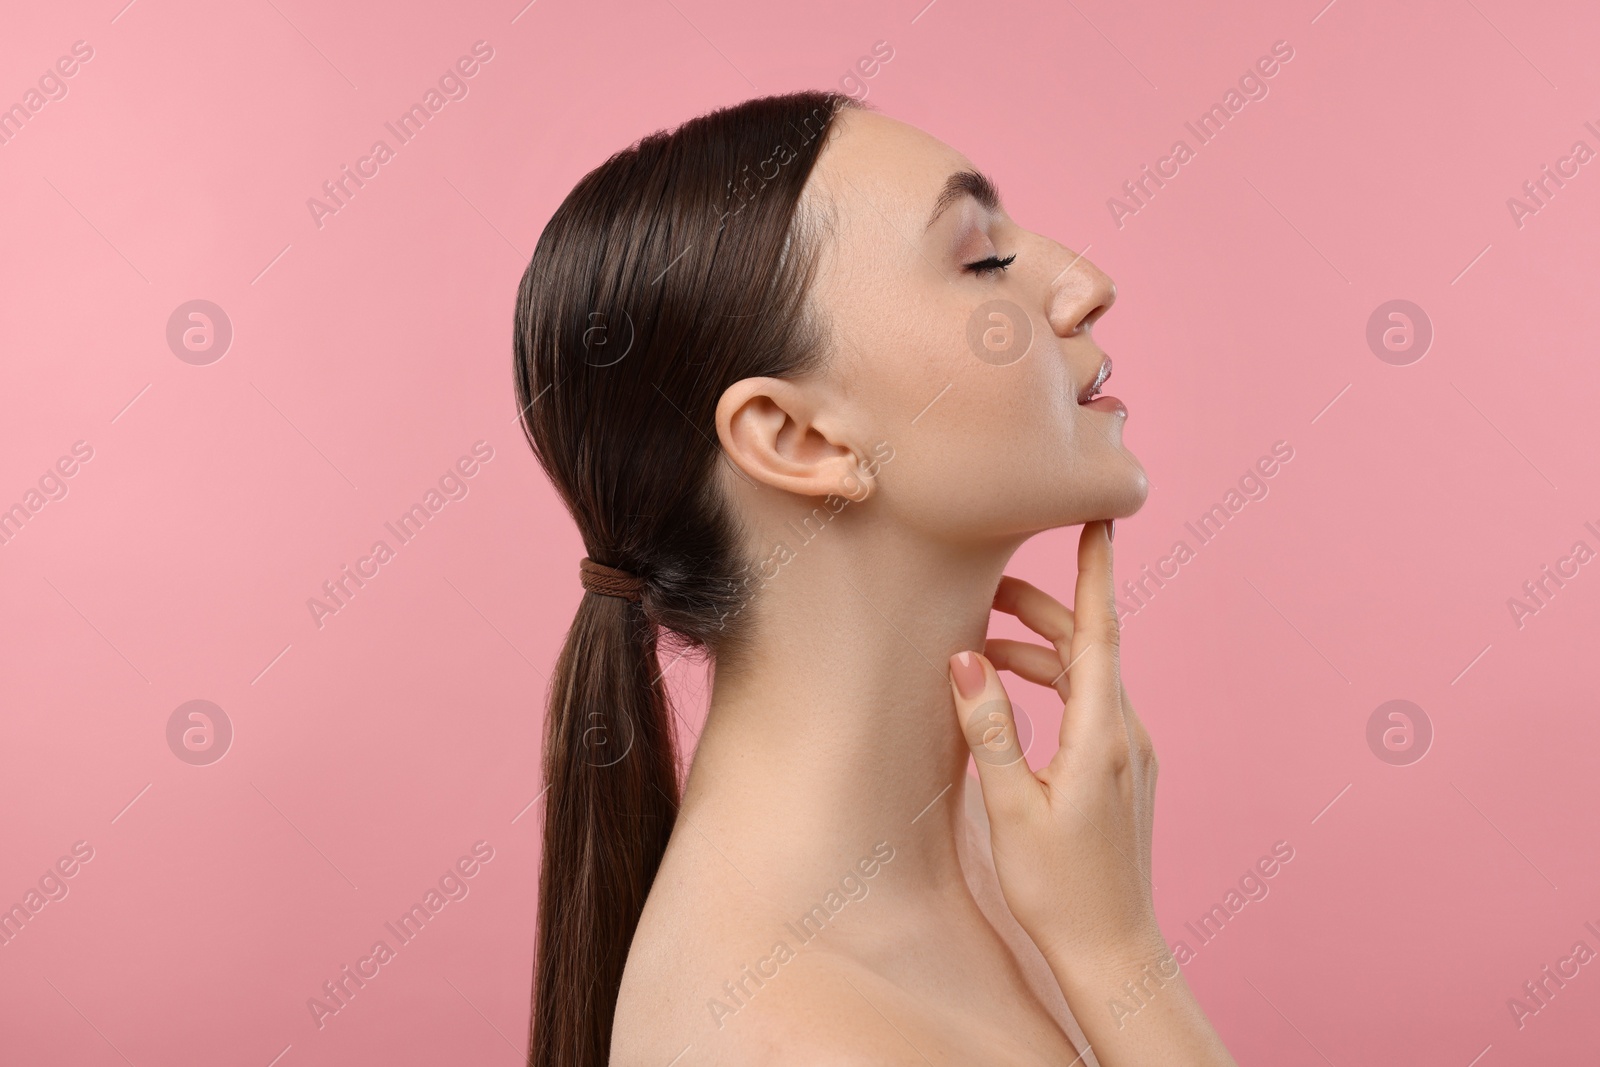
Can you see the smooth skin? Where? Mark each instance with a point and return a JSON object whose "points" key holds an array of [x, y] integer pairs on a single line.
{"points": [[1006, 918]]}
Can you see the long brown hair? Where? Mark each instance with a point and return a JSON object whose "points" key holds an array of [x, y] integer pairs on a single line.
{"points": [[672, 270]]}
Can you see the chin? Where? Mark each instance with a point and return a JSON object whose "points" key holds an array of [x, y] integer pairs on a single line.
{"points": [[1125, 499], [1138, 493]]}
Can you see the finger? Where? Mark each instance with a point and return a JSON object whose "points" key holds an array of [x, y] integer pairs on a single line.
{"points": [[1034, 663], [986, 719], [1144, 759], [1095, 707], [1037, 610]]}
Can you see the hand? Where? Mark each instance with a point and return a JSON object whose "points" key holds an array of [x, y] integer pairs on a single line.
{"points": [[1071, 843]]}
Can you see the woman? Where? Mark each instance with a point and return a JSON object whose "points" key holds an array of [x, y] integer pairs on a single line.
{"points": [[805, 388]]}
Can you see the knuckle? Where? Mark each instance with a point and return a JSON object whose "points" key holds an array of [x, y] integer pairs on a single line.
{"points": [[1116, 752], [1108, 629], [991, 733], [1110, 636]]}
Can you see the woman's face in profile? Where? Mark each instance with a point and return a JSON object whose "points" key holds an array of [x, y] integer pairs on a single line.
{"points": [[973, 374]]}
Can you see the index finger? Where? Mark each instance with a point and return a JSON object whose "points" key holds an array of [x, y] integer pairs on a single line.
{"points": [[1094, 707]]}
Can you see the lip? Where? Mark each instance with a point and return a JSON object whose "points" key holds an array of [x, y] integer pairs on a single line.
{"points": [[1107, 403], [1100, 377]]}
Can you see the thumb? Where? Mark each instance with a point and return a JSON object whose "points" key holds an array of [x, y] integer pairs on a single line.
{"points": [[990, 727]]}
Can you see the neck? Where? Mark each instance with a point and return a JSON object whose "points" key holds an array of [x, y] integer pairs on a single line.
{"points": [[837, 730]]}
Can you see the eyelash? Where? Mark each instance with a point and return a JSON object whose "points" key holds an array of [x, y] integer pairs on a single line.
{"points": [[990, 265]]}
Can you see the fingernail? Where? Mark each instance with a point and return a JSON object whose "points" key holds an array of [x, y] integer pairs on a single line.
{"points": [[1111, 531], [968, 673]]}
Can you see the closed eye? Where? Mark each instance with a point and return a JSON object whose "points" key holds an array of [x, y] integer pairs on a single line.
{"points": [[990, 265]]}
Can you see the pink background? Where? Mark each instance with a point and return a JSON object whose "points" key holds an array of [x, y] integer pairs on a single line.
{"points": [[372, 352]]}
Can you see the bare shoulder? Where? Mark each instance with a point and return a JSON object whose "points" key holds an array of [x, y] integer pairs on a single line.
{"points": [[717, 976], [816, 1010], [739, 992], [721, 974]]}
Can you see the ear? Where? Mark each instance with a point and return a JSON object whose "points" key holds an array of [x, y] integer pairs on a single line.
{"points": [[773, 432]]}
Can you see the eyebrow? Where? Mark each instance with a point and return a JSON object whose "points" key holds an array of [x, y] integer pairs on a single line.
{"points": [[965, 183]]}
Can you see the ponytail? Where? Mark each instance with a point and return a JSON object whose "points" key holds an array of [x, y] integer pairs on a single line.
{"points": [[610, 765]]}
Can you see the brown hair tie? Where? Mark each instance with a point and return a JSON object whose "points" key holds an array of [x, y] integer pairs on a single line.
{"points": [[609, 581]]}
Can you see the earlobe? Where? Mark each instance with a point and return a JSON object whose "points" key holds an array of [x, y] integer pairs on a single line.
{"points": [[774, 433]]}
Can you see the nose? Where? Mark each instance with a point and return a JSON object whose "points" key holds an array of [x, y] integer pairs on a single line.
{"points": [[1079, 295]]}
